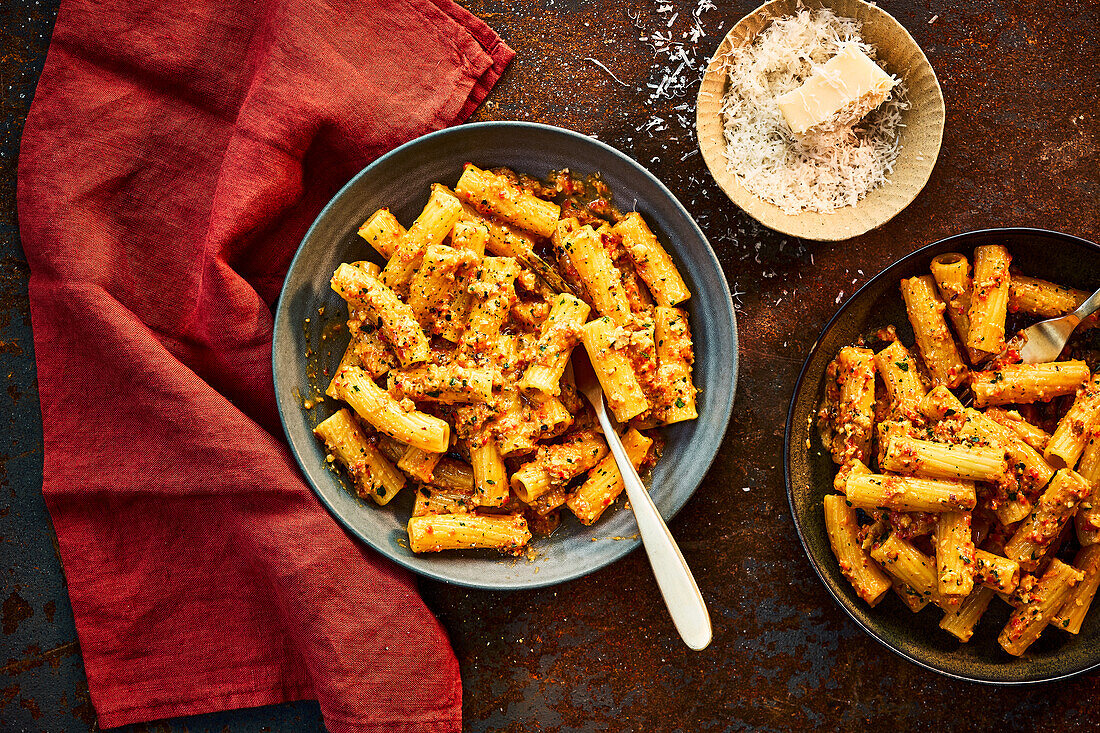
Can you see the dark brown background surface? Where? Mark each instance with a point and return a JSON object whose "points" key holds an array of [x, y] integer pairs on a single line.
{"points": [[1021, 148]]}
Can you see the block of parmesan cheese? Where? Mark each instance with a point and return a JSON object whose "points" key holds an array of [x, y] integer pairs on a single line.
{"points": [[839, 94]]}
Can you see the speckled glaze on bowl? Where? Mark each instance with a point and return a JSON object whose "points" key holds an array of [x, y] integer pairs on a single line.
{"points": [[401, 180], [920, 138], [810, 470]]}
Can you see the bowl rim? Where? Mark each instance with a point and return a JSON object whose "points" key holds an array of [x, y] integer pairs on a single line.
{"points": [[789, 429], [623, 547], [769, 214]]}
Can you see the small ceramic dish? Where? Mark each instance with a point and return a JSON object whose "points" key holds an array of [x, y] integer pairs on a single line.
{"points": [[920, 137], [401, 180], [809, 472]]}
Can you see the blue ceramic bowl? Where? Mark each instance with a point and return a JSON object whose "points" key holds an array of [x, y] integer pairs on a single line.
{"points": [[401, 180], [1053, 256]]}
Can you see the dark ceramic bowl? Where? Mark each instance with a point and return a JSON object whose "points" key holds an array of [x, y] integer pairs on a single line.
{"points": [[810, 470], [401, 180]]}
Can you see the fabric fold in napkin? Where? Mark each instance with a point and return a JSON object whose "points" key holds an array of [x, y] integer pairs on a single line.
{"points": [[173, 159]]}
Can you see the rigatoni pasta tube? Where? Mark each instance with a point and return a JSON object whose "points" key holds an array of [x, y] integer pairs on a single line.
{"points": [[448, 384], [370, 472], [855, 417], [605, 481], [854, 466], [1051, 549], [435, 285], [1023, 383], [637, 293], [1033, 435], [548, 502], [662, 392], [1087, 519], [493, 194], [503, 240], [490, 474], [350, 358], [937, 346], [1016, 509], [846, 420], [995, 571], [471, 236], [453, 475], [433, 533], [519, 424], [652, 261], [1034, 471], [419, 463], [672, 334], [928, 459], [901, 493], [912, 599], [367, 351], [555, 345], [1038, 607], [512, 425], [548, 415], [1045, 299], [380, 409], [598, 273], [905, 562], [495, 291], [1024, 462], [395, 318], [452, 326], [1072, 613], [558, 464], [989, 298], [952, 273], [383, 232], [899, 373], [961, 623], [954, 553], [612, 366], [888, 430], [868, 580], [1075, 427], [531, 481], [431, 227], [1052, 511], [430, 500], [939, 403]]}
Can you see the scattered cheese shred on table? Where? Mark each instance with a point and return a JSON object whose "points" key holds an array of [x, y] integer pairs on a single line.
{"points": [[819, 171]]}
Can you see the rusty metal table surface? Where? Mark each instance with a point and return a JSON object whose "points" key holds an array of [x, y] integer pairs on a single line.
{"points": [[1021, 148]]}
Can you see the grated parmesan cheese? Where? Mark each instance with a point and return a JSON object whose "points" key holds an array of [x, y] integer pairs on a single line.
{"points": [[820, 171]]}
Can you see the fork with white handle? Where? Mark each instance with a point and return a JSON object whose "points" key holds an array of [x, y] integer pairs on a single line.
{"points": [[1045, 340], [682, 597]]}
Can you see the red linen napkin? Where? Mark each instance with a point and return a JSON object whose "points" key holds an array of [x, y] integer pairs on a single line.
{"points": [[175, 154]]}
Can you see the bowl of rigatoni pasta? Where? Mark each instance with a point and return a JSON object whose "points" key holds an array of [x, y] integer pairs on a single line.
{"points": [[423, 341], [947, 495]]}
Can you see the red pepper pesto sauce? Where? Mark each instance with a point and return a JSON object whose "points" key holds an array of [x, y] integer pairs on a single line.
{"points": [[1019, 481], [588, 199]]}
